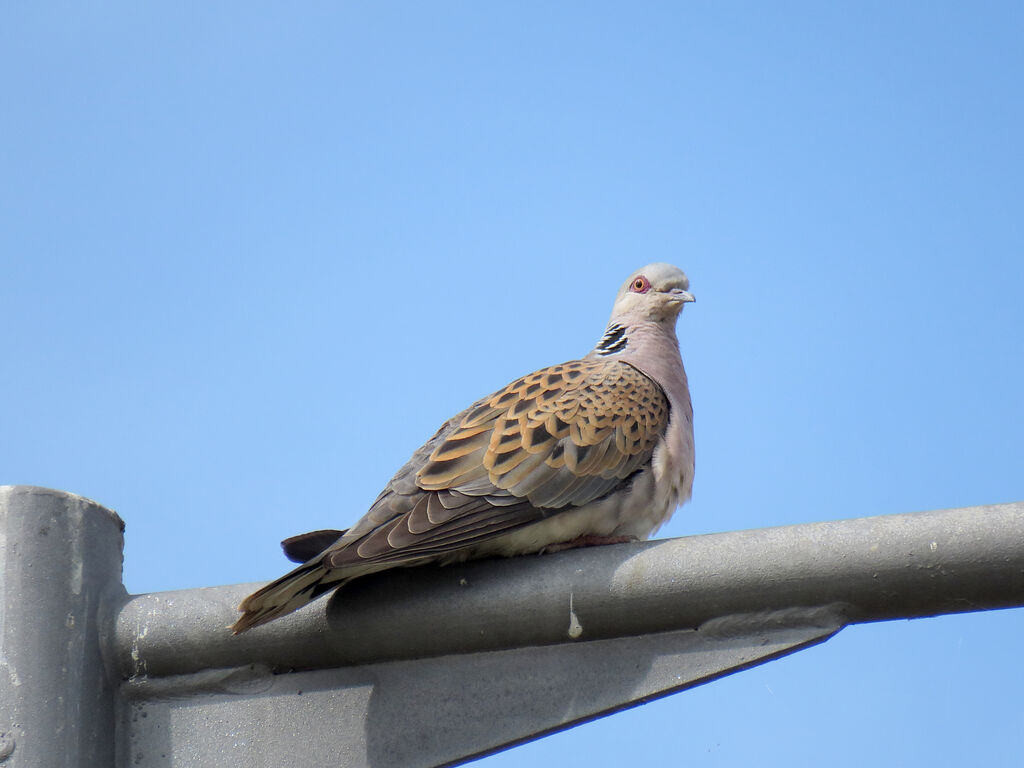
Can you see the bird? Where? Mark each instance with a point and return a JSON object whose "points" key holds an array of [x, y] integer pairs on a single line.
{"points": [[592, 451]]}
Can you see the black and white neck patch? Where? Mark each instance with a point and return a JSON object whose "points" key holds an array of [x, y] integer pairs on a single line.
{"points": [[614, 340]]}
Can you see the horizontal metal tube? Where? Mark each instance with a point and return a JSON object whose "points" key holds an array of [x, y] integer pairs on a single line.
{"points": [[867, 569]]}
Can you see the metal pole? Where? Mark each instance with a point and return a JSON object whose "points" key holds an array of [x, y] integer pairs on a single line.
{"points": [[847, 571], [60, 575], [486, 653]]}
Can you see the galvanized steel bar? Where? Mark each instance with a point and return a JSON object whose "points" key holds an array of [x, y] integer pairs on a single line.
{"points": [[866, 569]]}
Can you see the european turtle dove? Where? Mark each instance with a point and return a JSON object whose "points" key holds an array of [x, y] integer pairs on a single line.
{"points": [[592, 451]]}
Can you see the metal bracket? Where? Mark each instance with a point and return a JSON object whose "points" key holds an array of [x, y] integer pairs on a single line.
{"points": [[429, 712], [435, 666]]}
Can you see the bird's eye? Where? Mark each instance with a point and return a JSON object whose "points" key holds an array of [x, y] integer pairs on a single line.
{"points": [[641, 285]]}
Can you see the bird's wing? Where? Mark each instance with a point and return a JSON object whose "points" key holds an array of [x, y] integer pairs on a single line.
{"points": [[551, 441]]}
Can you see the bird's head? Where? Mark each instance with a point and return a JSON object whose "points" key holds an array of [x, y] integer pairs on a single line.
{"points": [[656, 292]]}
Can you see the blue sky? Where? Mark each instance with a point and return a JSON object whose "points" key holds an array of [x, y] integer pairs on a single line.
{"points": [[253, 256]]}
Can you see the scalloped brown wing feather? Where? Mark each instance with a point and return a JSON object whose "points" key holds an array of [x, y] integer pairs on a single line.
{"points": [[544, 432]]}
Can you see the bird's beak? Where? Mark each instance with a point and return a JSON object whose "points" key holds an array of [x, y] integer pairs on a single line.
{"points": [[681, 296]]}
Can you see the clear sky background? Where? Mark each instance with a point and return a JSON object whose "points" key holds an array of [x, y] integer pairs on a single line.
{"points": [[253, 256]]}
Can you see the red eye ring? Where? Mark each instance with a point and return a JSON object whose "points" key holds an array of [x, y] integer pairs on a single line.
{"points": [[640, 284]]}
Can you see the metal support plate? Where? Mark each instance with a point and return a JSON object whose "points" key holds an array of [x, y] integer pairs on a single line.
{"points": [[435, 711]]}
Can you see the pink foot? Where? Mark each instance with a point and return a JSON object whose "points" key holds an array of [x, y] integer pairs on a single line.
{"points": [[588, 540]]}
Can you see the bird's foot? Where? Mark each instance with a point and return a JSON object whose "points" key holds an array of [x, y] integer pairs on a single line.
{"points": [[588, 540]]}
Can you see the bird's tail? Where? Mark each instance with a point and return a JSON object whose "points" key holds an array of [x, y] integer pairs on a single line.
{"points": [[288, 593]]}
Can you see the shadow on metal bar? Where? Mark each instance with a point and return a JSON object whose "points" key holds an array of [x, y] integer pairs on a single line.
{"points": [[434, 666]]}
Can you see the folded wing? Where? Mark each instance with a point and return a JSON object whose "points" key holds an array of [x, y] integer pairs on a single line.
{"points": [[548, 442]]}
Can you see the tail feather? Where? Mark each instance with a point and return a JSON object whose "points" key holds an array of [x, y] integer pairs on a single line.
{"points": [[288, 593], [306, 546]]}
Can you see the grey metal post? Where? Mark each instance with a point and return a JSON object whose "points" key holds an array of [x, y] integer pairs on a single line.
{"points": [[60, 582]]}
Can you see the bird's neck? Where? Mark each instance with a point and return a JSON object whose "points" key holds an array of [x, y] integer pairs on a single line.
{"points": [[650, 346]]}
